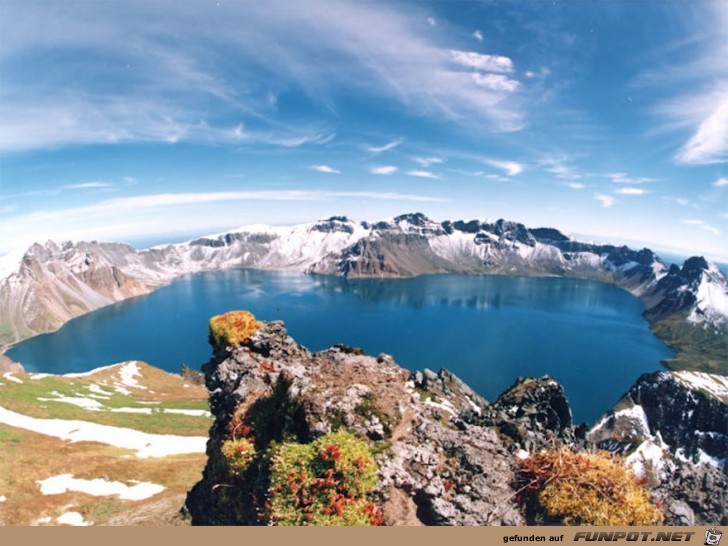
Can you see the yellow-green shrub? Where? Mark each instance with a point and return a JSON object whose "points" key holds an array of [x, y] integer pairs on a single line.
{"points": [[238, 453], [326, 482], [232, 328], [585, 489]]}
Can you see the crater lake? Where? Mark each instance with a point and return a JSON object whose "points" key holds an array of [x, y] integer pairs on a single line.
{"points": [[488, 330]]}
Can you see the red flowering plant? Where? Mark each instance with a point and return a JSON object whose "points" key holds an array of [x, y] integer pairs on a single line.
{"points": [[327, 482]]}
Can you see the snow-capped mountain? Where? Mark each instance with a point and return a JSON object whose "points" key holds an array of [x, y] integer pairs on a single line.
{"points": [[53, 283], [673, 428]]}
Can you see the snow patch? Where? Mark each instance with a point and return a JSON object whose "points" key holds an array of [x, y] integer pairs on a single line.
{"points": [[96, 389], [72, 518], [716, 385], [10, 377], [98, 487], [146, 445], [147, 411], [3, 498], [190, 412], [128, 374], [39, 376], [648, 457], [85, 403], [444, 406], [91, 372]]}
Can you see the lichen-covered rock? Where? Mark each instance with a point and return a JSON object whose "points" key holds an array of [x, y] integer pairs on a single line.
{"points": [[432, 466]]}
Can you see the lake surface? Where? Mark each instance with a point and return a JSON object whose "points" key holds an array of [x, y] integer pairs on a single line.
{"points": [[488, 330]]}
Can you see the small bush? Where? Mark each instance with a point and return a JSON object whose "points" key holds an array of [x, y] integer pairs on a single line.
{"points": [[232, 328], [326, 482], [238, 453], [585, 489]]}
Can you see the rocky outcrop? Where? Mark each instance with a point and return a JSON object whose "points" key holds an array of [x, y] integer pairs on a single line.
{"points": [[434, 466], [446, 456], [673, 429], [531, 415]]}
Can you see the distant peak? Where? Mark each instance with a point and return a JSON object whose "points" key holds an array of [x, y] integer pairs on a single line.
{"points": [[414, 218], [695, 264]]}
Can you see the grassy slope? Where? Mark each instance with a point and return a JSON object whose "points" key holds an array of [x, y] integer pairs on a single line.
{"points": [[26, 457], [696, 348]]}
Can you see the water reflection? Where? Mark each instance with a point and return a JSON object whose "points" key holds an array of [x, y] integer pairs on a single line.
{"points": [[488, 330]]}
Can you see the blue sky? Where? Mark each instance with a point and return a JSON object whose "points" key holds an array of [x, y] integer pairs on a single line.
{"points": [[157, 121]]}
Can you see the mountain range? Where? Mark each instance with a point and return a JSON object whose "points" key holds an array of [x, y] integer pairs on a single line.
{"points": [[686, 306]]}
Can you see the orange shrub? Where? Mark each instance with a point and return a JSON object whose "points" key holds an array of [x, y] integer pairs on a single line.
{"points": [[232, 328], [585, 489]]}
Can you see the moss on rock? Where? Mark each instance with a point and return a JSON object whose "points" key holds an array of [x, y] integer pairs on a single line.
{"points": [[232, 328]]}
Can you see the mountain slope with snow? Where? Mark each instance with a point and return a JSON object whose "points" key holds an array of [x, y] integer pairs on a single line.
{"points": [[688, 306]]}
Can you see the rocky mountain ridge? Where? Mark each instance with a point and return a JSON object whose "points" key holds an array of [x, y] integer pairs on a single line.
{"points": [[687, 306], [444, 455]]}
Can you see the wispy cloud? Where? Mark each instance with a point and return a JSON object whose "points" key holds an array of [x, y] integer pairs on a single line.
{"points": [[325, 169], [432, 21], [703, 225], [479, 61], [709, 142], [158, 92], [576, 185], [478, 35], [87, 185], [606, 200], [385, 147], [677, 200], [632, 191], [558, 167], [624, 178], [721, 182], [511, 168], [696, 78], [427, 161], [422, 174], [385, 169]]}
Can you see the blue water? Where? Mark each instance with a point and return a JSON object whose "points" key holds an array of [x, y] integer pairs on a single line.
{"points": [[488, 330]]}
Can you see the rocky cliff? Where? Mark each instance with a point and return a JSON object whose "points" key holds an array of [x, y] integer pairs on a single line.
{"points": [[687, 306], [443, 455], [673, 428]]}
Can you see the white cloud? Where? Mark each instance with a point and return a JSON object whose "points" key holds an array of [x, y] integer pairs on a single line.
{"points": [[576, 186], [624, 178], [478, 35], [427, 161], [385, 147], [158, 89], [677, 200], [422, 174], [496, 82], [709, 143], [325, 169], [632, 191], [125, 217], [432, 21], [87, 185], [606, 200], [386, 169], [721, 182], [480, 61], [557, 166], [511, 168], [703, 225]]}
